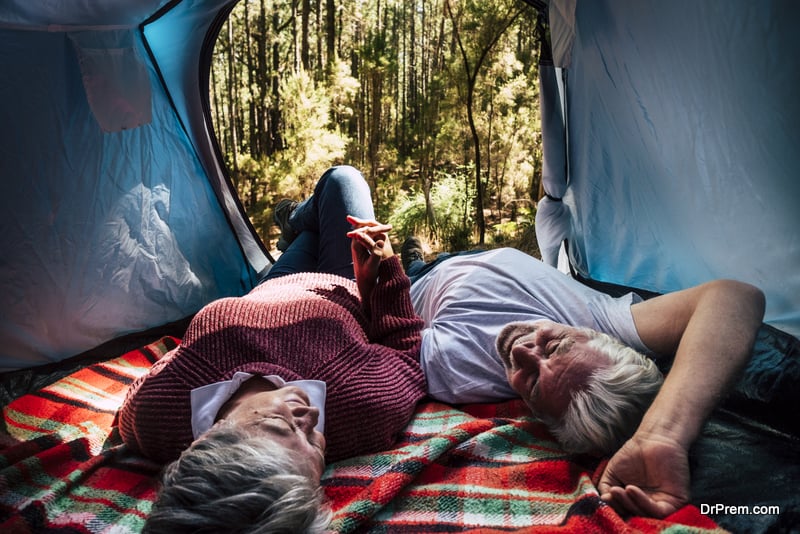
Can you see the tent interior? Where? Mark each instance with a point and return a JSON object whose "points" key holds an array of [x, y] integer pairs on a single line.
{"points": [[670, 137]]}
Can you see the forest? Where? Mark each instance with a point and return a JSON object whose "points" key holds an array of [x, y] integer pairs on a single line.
{"points": [[435, 101]]}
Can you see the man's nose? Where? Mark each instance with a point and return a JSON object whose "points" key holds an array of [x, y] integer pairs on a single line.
{"points": [[305, 417], [524, 354], [509, 335]]}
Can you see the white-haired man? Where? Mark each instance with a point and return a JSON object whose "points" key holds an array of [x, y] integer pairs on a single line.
{"points": [[500, 324]]}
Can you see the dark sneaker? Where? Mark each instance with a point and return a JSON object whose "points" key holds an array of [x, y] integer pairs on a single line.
{"points": [[283, 209], [411, 251]]}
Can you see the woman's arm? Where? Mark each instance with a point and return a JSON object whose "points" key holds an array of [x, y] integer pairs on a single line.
{"points": [[370, 246], [384, 288], [711, 330]]}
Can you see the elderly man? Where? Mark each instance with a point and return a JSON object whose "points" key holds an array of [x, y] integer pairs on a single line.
{"points": [[500, 324]]}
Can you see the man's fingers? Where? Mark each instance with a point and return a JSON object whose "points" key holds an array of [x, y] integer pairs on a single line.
{"points": [[373, 244], [648, 505], [633, 500], [621, 501], [363, 238], [359, 221], [368, 234], [377, 228]]}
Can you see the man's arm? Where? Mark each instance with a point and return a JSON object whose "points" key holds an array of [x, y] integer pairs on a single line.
{"points": [[711, 330]]}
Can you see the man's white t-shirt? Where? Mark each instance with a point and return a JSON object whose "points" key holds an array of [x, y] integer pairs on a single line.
{"points": [[466, 300]]}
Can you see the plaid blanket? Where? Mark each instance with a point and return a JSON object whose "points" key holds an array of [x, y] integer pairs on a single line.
{"points": [[476, 468]]}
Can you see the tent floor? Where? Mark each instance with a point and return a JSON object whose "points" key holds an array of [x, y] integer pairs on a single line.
{"points": [[14, 384], [748, 455]]}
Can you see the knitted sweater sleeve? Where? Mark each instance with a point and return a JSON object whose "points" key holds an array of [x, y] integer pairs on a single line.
{"points": [[155, 418], [374, 388], [393, 322]]}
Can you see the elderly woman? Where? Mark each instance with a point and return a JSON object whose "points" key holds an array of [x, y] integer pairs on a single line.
{"points": [[309, 366]]}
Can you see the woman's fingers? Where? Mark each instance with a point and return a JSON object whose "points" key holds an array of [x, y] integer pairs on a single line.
{"points": [[374, 225], [369, 238]]}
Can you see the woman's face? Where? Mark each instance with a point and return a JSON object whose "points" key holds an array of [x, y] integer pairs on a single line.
{"points": [[547, 362], [285, 417]]}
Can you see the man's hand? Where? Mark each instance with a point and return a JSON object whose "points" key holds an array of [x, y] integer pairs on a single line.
{"points": [[370, 246], [648, 476], [711, 329]]}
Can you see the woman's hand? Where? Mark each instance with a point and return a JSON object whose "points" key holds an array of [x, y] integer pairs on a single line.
{"points": [[370, 246]]}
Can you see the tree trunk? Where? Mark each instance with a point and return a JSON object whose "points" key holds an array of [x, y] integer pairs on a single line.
{"points": [[330, 31], [275, 136], [480, 47], [233, 104], [476, 143], [262, 81], [305, 11]]}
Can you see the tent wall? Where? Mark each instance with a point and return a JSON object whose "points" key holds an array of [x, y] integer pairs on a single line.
{"points": [[179, 56], [114, 219], [679, 161], [682, 135]]}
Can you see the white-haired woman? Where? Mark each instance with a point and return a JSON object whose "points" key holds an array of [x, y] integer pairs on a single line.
{"points": [[319, 362]]}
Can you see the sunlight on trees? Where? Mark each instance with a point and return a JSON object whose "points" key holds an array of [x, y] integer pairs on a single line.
{"points": [[447, 134], [312, 143], [452, 200]]}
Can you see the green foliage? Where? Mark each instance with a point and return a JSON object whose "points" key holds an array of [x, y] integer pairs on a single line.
{"points": [[343, 90], [450, 203], [508, 231], [382, 86], [509, 119], [251, 185], [312, 145]]}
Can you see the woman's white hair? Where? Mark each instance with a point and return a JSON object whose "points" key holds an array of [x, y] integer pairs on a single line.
{"points": [[604, 414], [229, 481]]}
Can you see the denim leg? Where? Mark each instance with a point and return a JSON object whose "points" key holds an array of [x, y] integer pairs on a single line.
{"points": [[300, 257], [417, 268], [341, 191]]}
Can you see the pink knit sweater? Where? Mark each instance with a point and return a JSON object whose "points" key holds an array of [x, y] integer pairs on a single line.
{"points": [[302, 326]]}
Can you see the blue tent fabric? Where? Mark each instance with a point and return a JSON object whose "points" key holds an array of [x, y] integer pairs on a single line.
{"points": [[115, 79], [115, 216], [682, 166], [674, 122], [682, 134], [670, 135], [552, 215]]}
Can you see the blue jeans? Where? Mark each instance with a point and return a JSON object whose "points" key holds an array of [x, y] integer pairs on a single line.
{"points": [[320, 220]]}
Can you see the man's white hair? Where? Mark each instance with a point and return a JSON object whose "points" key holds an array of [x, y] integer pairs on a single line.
{"points": [[606, 412], [603, 414]]}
